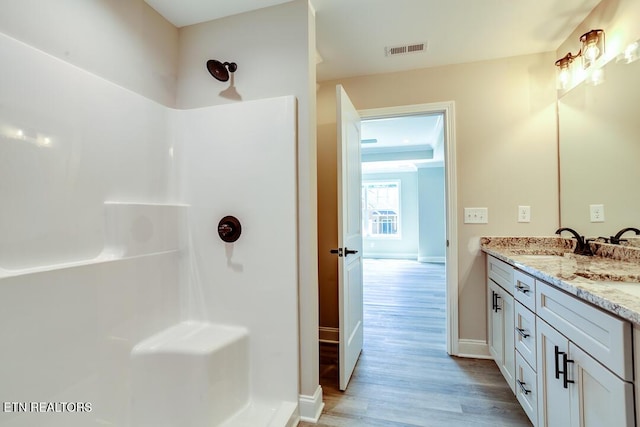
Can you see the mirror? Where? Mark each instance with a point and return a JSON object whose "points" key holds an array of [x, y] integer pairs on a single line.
{"points": [[599, 149]]}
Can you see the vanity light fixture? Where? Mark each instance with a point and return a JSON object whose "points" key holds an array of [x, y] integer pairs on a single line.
{"points": [[564, 70], [592, 49]]}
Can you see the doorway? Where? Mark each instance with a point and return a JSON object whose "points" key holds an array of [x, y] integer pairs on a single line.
{"points": [[424, 153], [328, 334]]}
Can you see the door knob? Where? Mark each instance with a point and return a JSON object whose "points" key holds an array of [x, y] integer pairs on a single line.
{"points": [[347, 251]]}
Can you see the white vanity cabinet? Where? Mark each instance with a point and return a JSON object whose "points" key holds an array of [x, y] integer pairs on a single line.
{"points": [[568, 362], [501, 317]]}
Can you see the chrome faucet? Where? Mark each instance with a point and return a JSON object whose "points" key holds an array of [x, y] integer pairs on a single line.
{"points": [[582, 245], [617, 238]]}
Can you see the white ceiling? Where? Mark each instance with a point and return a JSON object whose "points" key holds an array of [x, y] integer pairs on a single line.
{"points": [[188, 12], [351, 35]]}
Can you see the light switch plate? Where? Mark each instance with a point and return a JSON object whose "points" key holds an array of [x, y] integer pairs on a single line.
{"points": [[524, 213], [596, 213], [476, 215]]}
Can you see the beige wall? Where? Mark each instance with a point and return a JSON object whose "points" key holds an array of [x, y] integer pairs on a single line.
{"points": [[506, 156], [124, 41]]}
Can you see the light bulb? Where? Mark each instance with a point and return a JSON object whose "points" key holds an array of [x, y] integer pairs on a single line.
{"points": [[592, 47], [592, 52]]}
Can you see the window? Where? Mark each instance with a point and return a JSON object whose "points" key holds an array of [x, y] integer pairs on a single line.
{"points": [[381, 208]]}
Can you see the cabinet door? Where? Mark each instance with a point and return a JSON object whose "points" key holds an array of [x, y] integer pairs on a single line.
{"points": [[501, 331], [508, 367], [599, 398], [554, 400], [495, 321]]}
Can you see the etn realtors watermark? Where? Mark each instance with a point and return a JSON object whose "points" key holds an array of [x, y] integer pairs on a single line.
{"points": [[47, 407]]}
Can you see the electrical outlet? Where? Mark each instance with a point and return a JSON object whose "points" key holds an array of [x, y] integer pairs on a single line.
{"points": [[596, 213], [476, 215], [524, 213]]}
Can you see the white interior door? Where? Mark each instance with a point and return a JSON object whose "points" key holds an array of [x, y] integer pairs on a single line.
{"points": [[349, 236]]}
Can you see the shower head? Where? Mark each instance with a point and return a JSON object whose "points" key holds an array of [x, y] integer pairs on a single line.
{"points": [[221, 70]]}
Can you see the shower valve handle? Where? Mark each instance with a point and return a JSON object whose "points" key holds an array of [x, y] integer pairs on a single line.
{"points": [[225, 229], [229, 229]]}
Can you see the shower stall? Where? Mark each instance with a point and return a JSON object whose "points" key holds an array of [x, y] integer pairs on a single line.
{"points": [[120, 305]]}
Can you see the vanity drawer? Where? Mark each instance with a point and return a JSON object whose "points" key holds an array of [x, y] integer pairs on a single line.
{"points": [[524, 289], [603, 336], [500, 272], [527, 388], [525, 333]]}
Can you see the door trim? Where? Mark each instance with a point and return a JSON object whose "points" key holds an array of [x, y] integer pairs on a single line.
{"points": [[451, 187]]}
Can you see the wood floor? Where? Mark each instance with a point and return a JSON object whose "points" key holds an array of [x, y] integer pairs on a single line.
{"points": [[404, 377]]}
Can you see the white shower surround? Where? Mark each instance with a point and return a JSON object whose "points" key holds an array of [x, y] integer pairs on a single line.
{"points": [[74, 302]]}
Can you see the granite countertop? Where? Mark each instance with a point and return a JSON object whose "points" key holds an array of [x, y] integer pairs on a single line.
{"points": [[609, 280]]}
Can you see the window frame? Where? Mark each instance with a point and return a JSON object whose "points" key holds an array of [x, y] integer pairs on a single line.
{"points": [[366, 222]]}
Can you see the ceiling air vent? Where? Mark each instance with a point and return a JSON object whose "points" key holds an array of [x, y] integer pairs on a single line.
{"points": [[405, 49]]}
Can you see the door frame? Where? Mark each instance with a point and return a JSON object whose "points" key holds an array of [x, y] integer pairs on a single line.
{"points": [[451, 202]]}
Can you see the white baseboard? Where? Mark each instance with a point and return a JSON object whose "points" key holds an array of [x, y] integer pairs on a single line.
{"points": [[433, 259], [329, 335], [311, 406], [476, 349]]}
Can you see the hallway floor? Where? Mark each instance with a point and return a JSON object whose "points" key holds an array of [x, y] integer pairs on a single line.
{"points": [[404, 377]]}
